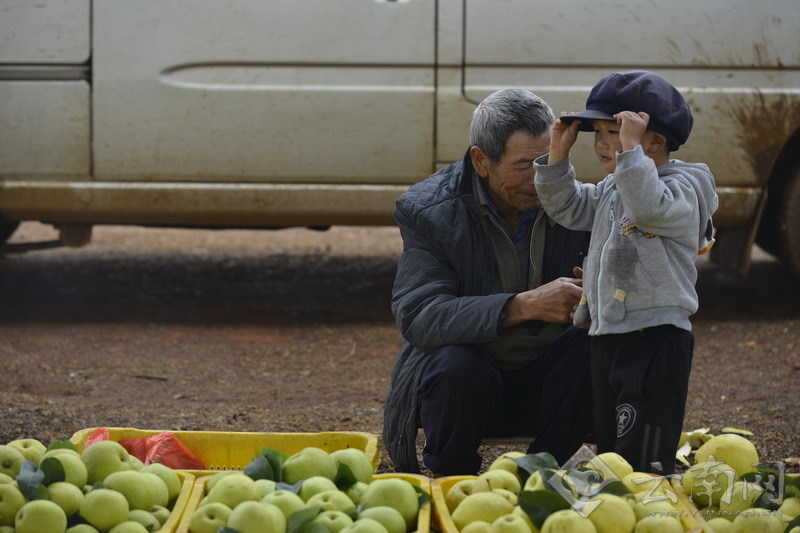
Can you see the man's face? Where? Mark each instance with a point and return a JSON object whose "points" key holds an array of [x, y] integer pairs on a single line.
{"points": [[510, 181]]}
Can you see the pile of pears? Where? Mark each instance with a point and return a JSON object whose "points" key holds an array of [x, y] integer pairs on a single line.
{"points": [[530, 493], [56, 489], [310, 491]]}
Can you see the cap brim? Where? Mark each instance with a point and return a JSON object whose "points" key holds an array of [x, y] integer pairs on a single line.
{"points": [[586, 118]]}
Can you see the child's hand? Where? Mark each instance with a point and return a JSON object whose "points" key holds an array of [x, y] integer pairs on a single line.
{"points": [[562, 137], [632, 128]]}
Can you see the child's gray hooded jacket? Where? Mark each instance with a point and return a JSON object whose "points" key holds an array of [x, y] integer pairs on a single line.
{"points": [[648, 225]]}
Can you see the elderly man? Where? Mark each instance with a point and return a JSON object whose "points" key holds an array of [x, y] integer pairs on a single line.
{"points": [[485, 290]]}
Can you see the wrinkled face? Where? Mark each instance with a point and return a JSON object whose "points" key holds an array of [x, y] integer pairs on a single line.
{"points": [[607, 143], [510, 181]]}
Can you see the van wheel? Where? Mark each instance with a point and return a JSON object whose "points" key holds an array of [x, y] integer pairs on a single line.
{"points": [[789, 223], [6, 230]]}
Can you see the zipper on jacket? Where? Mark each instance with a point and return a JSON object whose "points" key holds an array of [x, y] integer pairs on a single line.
{"points": [[600, 261]]}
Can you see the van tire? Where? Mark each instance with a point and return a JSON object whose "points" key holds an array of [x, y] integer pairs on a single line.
{"points": [[789, 223], [6, 230]]}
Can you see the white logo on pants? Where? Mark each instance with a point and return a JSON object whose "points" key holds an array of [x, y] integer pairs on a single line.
{"points": [[626, 416]]}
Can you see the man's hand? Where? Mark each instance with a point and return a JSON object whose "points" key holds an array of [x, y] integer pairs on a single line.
{"points": [[632, 128], [562, 137], [553, 302]]}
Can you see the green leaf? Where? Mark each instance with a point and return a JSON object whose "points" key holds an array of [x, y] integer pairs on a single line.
{"points": [[616, 488], [539, 504], [58, 444], [793, 523], [424, 497], [53, 470], [300, 518], [260, 468], [30, 481], [530, 463], [344, 476], [272, 451], [281, 485]]}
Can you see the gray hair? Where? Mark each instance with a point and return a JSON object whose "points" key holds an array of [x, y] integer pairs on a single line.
{"points": [[502, 114]]}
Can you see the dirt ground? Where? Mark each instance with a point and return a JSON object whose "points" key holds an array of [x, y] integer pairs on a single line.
{"points": [[291, 331]]}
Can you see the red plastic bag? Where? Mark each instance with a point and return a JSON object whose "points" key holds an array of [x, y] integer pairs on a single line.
{"points": [[164, 448]]}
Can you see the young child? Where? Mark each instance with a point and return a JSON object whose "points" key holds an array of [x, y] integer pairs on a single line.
{"points": [[650, 217]]}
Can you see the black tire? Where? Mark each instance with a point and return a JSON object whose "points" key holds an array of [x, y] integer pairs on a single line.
{"points": [[788, 223], [6, 230]]}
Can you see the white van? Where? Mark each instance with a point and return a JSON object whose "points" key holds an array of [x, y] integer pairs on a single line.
{"points": [[275, 113]]}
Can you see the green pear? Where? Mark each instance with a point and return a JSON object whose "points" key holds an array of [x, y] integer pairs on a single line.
{"points": [[335, 521], [655, 506], [357, 461], [731, 449], [158, 487], [457, 492], [720, 525], [146, 518], [790, 507], [168, 476], [5, 478], [742, 496], [496, 479], [6, 529], [535, 482], [103, 458], [519, 511], [356, 491], [478, 526], [658, 524], [75, 471], [11, 501], [135, 462], [308, 462], [265, 486], [256, 517], [707, 482], [611, 465], [11, 460], [757, 521], [219, 475], [209, 518], [285, 500], [32, 449], [507, 494], [331, 500], [567, 521], [65, 495], [509, 523], [133, 486], [128, 526], [506, 462], [104, 508], [161, 513], [315, 484], [233, 490], [612, 514], [483, 506], [82, 528], [393, 492], [364, 525], [389, 517], [40, 516]]}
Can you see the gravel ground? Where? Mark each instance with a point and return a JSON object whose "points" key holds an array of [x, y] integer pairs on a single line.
{"points": [[291, 331]]}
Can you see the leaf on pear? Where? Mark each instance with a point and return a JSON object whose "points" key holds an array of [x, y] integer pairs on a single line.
{"points": [[616, 488], [539, 504], [422, 496], [530, 463], [58, 444], [53, 470], [272, 451], [737, 431], [794, 522], [282, 485], [298, 519], [260, 468], [344, 476], [30, 481]]}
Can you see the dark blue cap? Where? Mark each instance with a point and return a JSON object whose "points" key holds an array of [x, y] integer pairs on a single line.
{"points": [[639, 90]]}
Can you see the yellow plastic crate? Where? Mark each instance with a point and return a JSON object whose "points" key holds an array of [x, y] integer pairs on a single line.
{"points": [[222, 450], [690, 516], [178, 507], [423, 520]]}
